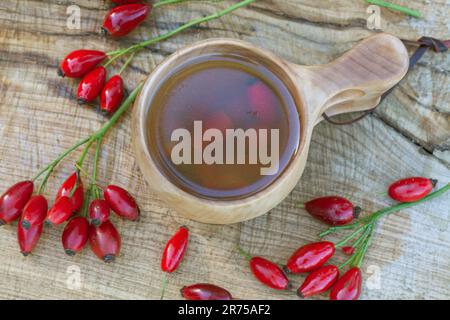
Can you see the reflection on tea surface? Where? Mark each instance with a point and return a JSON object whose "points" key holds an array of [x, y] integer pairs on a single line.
{"points": [[221, 92]]}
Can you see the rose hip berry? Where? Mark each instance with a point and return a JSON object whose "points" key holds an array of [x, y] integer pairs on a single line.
{"points": [[28, 238], [14, 200], [105, 241], [66, 190], [175, 250], [310, 257], [60, 211], [112, 95], [99, 211], [348, 287], [91, 85], [121, 202], [121, 20], [348, 251], [411, 189], [333, 210], [205, 291], [319, 281], [268, 273], [34, 212], [78, 63], [75, 235]]}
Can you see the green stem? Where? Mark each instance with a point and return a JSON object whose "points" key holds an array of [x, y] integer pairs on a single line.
{"points": [[396, 7], [190, 24], [166, 2], [360, 257], [351, 236], [357, 245], [95, 191], [127, 63], [164, 285], [87, 200]]}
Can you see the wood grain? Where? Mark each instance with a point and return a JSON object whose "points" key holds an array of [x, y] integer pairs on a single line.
{"points": [[408, 135]]}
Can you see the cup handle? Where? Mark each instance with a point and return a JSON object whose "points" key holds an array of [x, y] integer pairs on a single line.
{"points": [[356, 80]]}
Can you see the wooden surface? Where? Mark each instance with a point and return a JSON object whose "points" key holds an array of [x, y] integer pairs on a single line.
{"points": [[408, 135]]}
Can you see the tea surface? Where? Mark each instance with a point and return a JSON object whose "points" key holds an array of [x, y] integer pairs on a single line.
{"points": [[223, 93]]}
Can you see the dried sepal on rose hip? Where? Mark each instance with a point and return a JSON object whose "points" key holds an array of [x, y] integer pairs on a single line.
{"points": [[14, 200]]}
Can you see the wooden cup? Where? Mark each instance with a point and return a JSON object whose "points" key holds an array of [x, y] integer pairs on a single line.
{"points": [[353, 82]]}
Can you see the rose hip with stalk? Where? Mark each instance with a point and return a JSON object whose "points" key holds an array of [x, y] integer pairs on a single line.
{"points": [[75, 235], [66, 190], [14, 200], [105, 241], [332, 210], [34, 212], [411, 189], [348, 287], [28, 238], [99, 211], [121, 202], [123, 19], [78, 63], [310, 257], [319, 281], [112, 95], [91, 85], [205, 291], [60, 211]]}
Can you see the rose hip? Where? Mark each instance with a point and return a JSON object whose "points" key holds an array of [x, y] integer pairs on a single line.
{"points": [[205, 291], [411, 189], [121, 20], [319, 281], [105, 241], [121, 202], [175, 250], [268, 273], [60, 211], [78, 63], [332, 210], [34, 212], [310, 257], [14, 200], [112, 95], [91, 85], [28, 238], [66, 190], [348, 250], [348, 287], [99, 211], [75, 235]]}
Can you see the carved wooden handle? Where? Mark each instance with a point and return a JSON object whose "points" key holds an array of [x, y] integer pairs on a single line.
{"points": [[356, 80]]}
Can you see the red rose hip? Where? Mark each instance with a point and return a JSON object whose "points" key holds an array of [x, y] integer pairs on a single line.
{"points": [[121, 202], [98, 211], [66, 190], [348, 287], [60, 211], [91, 85], [205, 291], [34, 212], [333, 210], [121, 20], [112, 95], [318, 281], [75, 235], [310, 257], [14, 200], [78, 63], [28, 238], [105, 241], [175, 250], [268, 273], [411, 189]]}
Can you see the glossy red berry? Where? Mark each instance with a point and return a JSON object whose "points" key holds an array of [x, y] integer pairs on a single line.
{"points": [[99, 211], [310, 257], [112, 95], [91, 85], [78, 63], [348, 250], [66, 190], [14, 200], [34, 212], [121, 20], [105, 241], [268, 273], [28, 238], [75, 235], [318, 281], [121, 202], [411, 189], [348, 287], [205, 291], [335, 211], [175, 250], [60, 211]]}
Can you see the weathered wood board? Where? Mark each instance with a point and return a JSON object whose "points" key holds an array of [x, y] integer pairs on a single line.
{"points": [[408, 135]]}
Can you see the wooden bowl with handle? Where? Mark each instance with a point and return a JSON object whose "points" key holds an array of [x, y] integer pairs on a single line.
{"points": [[353, 82]]}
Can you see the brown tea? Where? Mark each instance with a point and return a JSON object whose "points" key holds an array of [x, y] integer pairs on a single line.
{"points": [[222, 126]]}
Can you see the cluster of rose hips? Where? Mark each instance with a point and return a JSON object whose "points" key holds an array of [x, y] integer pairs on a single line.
{"points": [[91, 224], [311, 258]]}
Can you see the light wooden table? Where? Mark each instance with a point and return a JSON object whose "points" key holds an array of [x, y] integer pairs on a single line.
{"points": [[408, 135]]}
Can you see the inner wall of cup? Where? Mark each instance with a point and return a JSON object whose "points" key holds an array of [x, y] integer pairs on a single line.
{"points": [[276, 69]]}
